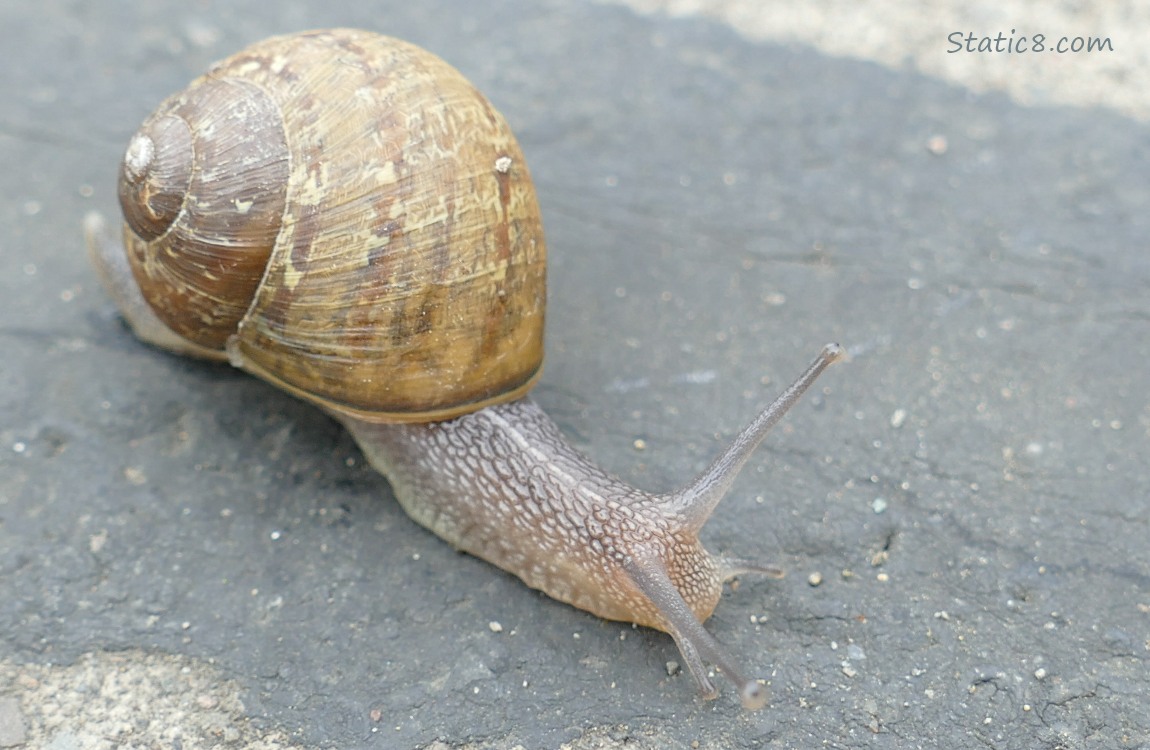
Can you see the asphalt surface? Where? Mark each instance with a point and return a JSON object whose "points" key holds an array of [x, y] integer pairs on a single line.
{"points": [[191, 559]]}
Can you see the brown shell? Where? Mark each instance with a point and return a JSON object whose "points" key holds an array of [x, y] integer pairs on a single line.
{"points": [[347, 217]]}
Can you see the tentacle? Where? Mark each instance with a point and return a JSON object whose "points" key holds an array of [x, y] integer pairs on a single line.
{"points": [[694, 641], [111, 262], [731, 567], [697, 500]]}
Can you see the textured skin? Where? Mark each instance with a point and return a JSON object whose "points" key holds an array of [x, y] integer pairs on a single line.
{"points": [[504, 485], [405, 260]]}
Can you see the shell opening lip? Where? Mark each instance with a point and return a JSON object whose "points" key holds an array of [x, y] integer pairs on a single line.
{"points": [[235, 355], [432, 415]]}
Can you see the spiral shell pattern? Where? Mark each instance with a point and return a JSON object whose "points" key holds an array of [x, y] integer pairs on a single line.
{"points": [[347, 217]]}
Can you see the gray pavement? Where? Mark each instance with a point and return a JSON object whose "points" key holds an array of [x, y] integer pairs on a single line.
{"points": [[191, 559]]}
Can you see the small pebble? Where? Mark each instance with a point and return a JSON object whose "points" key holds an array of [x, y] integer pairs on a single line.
{"points": [[815, 579], [135, 476], [495, 626]]}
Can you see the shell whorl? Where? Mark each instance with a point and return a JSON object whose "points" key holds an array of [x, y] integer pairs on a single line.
{"points": [[202, 187], [350, 219]]}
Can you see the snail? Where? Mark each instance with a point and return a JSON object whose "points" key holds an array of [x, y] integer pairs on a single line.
{"points": [[345, 216]]}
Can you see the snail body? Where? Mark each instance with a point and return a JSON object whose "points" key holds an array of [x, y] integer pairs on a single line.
{"points": [[343, 215]]}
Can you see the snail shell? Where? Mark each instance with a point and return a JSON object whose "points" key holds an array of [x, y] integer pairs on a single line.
{"points": [[347, 217]]}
